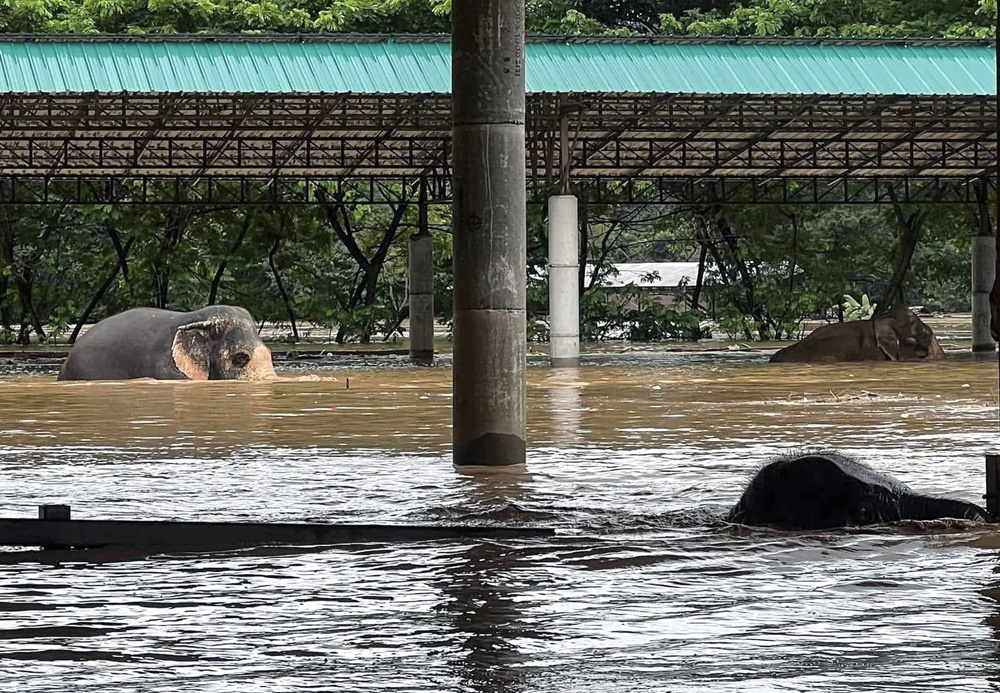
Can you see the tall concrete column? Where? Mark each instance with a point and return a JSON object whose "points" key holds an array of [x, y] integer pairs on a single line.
{"points": [[489, 218], [564, 281], [983, 274]]}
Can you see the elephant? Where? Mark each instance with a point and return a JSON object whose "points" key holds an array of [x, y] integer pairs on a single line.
{"points": [[214, 343], [825, 490], [898, 335]]}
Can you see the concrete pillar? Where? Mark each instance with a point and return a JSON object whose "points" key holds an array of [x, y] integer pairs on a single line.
{"points": [[564, 281], [983, 274], [489, 218], [421, 283]]}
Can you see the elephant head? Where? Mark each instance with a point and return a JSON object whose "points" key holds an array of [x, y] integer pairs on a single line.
{"points": [[828, 490], [902, 336], [223, 345]]}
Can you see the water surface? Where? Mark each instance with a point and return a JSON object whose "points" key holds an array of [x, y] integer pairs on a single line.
{"points": [[631, 456]]}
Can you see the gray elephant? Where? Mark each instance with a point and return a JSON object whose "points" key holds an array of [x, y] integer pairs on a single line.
{"points": [[214, 343], [828, 490], [898, 335]]}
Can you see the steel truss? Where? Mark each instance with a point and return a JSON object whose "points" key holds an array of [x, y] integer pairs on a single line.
{"points": [[240, 192], [267, 149]]}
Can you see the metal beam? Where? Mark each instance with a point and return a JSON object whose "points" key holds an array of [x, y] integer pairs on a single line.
{"points": [[244, 191]]}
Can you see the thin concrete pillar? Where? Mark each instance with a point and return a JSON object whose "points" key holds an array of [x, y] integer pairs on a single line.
{"points": [[489, 218], [564, 281], [983, 275], [421, 284]]}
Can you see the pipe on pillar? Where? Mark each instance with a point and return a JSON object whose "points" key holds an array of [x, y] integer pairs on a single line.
{"points": [[489, 221], [564, 154], [983, 275], [421, 284], [564, 281]]}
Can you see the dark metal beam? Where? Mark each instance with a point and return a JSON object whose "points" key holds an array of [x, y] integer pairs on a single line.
{"points": [[220, 192], [754, 155], [205, 536]]}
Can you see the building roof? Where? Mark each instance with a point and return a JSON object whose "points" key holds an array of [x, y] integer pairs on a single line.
{"points": [[257, 120], [422, 65], [655, 275]]}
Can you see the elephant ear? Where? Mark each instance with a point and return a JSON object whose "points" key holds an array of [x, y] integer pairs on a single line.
{"points": [[190, 350], [886, 337]]}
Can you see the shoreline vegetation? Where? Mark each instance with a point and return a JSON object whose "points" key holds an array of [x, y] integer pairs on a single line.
{"points": [[953, 331]]}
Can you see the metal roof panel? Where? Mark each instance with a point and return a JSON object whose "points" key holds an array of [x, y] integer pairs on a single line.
{"points": [[412, 66]]}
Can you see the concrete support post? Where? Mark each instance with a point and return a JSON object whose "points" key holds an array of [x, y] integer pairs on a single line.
{"points": [[421, 283], [54, 512], [992, 494], [564, 281], [489, 217], [983, 275]]}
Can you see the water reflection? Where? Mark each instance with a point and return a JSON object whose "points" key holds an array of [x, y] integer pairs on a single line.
{"points": [[483, 597], [484, 588], [496, 493], [565, 394]]}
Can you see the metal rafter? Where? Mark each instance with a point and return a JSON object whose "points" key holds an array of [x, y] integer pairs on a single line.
{"points": [[725, 111], [326, 110], [907, 138], [81, 111], [807, 107], [657, 103], [169, 107], [217, 149], [373, 147]]}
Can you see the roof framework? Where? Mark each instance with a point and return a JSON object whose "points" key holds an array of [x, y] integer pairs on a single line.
{"points": [[251, 147]]}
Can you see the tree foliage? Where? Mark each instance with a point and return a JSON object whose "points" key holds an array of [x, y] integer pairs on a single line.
{"points": [[693, 17]]}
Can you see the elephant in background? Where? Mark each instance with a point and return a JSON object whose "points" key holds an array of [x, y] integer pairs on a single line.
{"points": [[828, 490], [214, 343], [898, 335]]}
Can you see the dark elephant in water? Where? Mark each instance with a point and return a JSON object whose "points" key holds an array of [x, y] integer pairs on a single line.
{"points": [[827, 490], [214, 343], [898, 335]]}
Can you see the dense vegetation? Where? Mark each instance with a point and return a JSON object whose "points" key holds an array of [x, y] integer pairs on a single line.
{"points": [[344, 266]]}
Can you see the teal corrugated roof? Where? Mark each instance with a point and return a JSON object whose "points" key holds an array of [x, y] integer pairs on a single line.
{"points": [[424, 67]]}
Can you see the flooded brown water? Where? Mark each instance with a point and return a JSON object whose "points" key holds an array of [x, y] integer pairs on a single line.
{"points": [[630, 456]]}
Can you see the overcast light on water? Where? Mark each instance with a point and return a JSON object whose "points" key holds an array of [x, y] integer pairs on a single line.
{"points": [[632, 458]]}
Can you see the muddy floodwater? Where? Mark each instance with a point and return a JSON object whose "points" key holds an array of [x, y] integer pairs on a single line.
{"points": [[631, 456]]}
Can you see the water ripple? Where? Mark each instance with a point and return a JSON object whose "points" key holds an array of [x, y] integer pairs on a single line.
{"points": [[643, 589]]}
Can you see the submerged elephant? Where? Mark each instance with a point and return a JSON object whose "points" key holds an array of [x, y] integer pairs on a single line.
{"points": [[898, 335], [214, 343], [827, 490]]}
